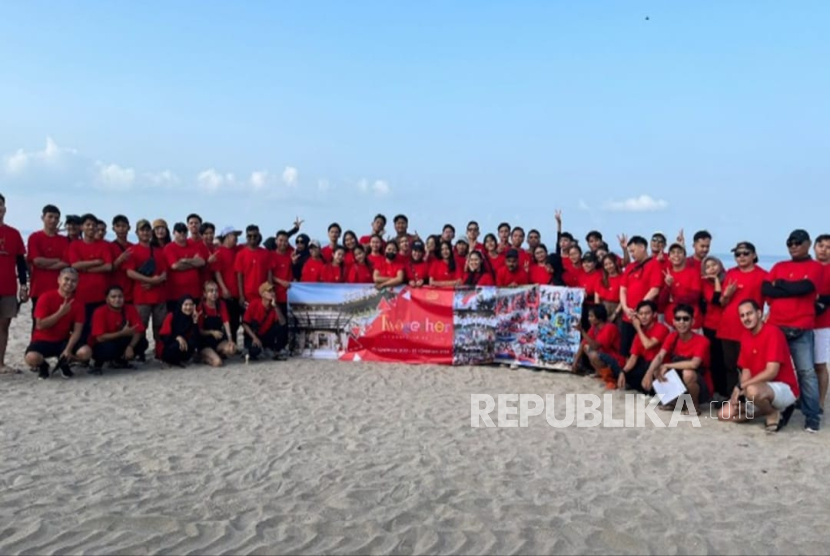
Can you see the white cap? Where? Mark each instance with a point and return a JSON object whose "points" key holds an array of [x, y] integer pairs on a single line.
{"points": [[228, 230]]}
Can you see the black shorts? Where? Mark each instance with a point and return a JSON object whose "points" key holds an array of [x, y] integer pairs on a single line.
{"points": [[51, 349], [209, 342]]}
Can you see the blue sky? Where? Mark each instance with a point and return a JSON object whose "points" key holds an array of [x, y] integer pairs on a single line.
{"points": [[710, 115]]}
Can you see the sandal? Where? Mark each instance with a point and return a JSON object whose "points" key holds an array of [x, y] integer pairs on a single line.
{"points": [[773, 427]]}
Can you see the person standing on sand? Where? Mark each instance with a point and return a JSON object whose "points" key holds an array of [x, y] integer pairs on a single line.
{"points": [[184, 266], [92, 258], [822, 340], [641, 281], [147, 270], [13, 271], [46, 254]]}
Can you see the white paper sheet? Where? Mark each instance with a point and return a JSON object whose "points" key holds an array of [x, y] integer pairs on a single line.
{"points": [[671, 389]]}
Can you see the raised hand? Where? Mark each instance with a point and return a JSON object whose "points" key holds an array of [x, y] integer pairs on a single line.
{"points": [[681, 237], [668, 278], [623, 239], [298, 223], [558, 216]]}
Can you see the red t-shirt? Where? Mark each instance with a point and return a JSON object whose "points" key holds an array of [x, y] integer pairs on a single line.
{"points": [[334, 274], [47, 305], [11, 245], [823, 320], [225, 265], [376, 261], [415, 271], [573, 275], [360, 274], [686, 288], [748, 287], [525, 259], [156, 294], [257, 313], [486, 279], [106, 321], [610, 293], [768, 346], [254, 265], [638, 279], [220, 311], [506, 278], [711, 320], [312, 271], [389, 269], [327, 253], [92, 286], [439, 271], [539, 274], [119, 276], [281, 268], [588, 282], [495, 263], [696, 346], [183, 282], [656, 331], [797, 312], [608, 338], [48, 247]]}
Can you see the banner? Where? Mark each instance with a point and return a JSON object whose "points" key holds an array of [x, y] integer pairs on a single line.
{"points": [[530, 326]]}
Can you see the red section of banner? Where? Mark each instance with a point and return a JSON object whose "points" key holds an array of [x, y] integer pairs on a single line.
{"points": [[415, 326]]}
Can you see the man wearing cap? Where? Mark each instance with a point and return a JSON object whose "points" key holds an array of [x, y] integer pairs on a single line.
{"points": [[147, 271], [741, 283], [792, 292], [161, 233], [252, 265], [224, 272], [511, 274], [261, 323], [184, 262], [822, 340], [314, 265]]}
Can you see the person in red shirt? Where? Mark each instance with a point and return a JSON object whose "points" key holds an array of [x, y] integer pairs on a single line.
{"points": [[462, 251], [194, 223], [261, 323], [767, 375], [432, 248], [180, 333], [588, 281], [493, 258], [682, 285], [314, 266], [416, 271], [504, 237], [573, 266], [404, 254], [594, 240], [252, 265], [445, 272], [534, 240], [658, 251], [161, 234], [117, 334], [556, 270], [401, 228], [741, 283], [224, 274], [608, 287], [335, 271], [360, 272], [121, 252], [59, 322], [473, 231], [73, 227], [448, 233], [390, 272], [100, 230], [376, 254], [601, 346], [648, 339], [792, 293], [641, 281], [539, 268], [207, 232], [14, 275], [822, 332], [477, 275], [349, 242], [46, 254], [378, 229], [334, 233], [687, 353], [511, 274], [147, 271], [701, 244], [517, 238], [215, 341], [184, 267], [92, 258]]}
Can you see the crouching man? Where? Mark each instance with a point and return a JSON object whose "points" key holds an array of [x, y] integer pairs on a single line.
{"points": [[117, 334], [768, 378], [59, 322], [261, 323]]}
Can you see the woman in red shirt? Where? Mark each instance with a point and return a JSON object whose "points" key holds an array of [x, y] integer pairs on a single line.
{"points": [[539, 273], [477, 275], [713, 276], [493, 258], [375, 255], [445, 273], [417, 269], [573, 267], [608, 287], [349, 242], [314, 266], [390, 272], [588, 279], [360, 272], [335, 271], [215, 341], [432, 249]]}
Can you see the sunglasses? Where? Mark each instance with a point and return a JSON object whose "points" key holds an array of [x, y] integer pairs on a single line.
{"points": [[742, 254], [252, 235], [793, 243], [472, 229], [683, 319]]}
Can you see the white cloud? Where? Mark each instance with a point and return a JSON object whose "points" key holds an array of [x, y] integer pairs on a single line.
{"points": [[289, 176], [21, 160], [113, 176], [259, 179], [212, 181], [381, 188], [162, 179], [643, 203]]}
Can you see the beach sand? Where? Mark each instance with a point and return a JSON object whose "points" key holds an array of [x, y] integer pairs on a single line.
{"points": [[311, 456]]}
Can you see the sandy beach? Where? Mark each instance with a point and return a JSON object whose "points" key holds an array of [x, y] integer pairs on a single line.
{"points": [[326, 457]]}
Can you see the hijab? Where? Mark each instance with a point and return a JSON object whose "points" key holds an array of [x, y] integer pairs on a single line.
{"points": [[303, 254], [182, 325]]}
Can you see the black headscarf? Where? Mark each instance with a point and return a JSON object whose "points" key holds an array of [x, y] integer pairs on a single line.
{"points": [[182, 325], [555, 262], [304, 254]]}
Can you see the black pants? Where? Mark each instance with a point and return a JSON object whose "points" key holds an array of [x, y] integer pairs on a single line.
{"points": [[634, 377], [731, 351], [234, 317], [269, 341], [89, 309], [718, 367], [172, 354], [627, 335], [112, 350], [282, 330], [34, 305]]}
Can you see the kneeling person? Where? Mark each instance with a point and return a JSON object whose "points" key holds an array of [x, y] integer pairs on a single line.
{"points": [[648, 339], [214, 327], [59, 322], [117, 334], [179, 333], [261, 323]]}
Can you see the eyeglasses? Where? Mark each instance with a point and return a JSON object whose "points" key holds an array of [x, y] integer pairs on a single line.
{"points": [[742, 253], [683, 319], [793, 243], [472, 229]]}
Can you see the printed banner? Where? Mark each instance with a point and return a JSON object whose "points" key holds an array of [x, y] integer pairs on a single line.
{"points": [[530, 326]]}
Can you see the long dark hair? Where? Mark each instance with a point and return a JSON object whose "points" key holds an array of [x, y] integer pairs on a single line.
{"points": [[451, 261], [555, 262], [436, 240], [154, 241], [473, 278], [616, 261], [346, 234]]}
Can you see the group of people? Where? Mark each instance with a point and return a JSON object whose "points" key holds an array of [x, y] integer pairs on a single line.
{"points": [[646, 312]]}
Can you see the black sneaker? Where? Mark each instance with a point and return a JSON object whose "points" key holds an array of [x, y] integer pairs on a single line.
{"points": [[785, 416], [43, 373], [66, 372]]}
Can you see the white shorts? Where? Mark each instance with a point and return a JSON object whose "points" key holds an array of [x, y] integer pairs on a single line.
{"points": [[822, 345], [783, 396]]}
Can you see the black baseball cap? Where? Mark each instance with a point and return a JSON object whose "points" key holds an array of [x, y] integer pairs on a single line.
{"points": [[744, 245], [418, 246], [799, 236]]}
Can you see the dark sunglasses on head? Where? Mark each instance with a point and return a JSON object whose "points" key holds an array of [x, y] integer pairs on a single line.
{"points": [[742, 253], [683, 319], [793, 243]]}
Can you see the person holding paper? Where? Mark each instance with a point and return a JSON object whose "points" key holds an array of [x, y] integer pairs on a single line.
{"points": [[647, 342], [768, 376], [687, 353]]}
